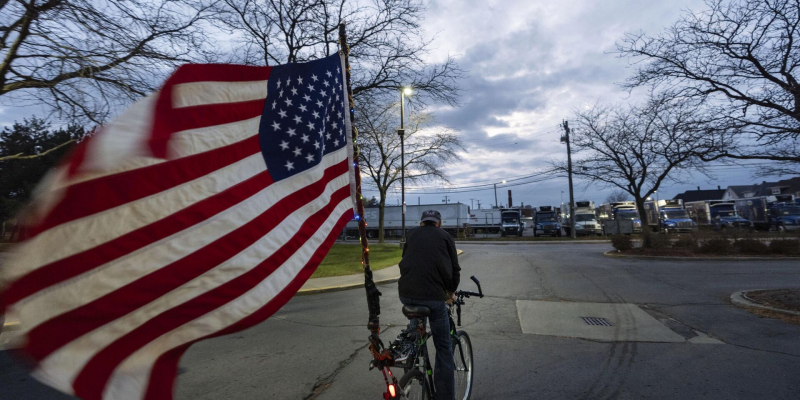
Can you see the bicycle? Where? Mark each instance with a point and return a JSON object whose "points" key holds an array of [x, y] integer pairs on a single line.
{"points": [[410, 351]]}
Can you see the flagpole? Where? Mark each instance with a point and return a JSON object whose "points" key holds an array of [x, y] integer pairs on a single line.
{"points": [[373, 294]]}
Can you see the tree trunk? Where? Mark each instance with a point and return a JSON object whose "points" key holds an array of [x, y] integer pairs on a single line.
{"points": [[381, 207], [645, 225]]}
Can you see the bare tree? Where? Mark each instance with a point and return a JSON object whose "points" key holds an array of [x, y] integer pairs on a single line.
{"points": [[617, 195], [83, 58], [636, 148], [387, 48], [426, 151], [740, 58]]}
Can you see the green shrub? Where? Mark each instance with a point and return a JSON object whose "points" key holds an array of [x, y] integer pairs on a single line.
{"points": [[685, 242], [659, 241], [751, 246], [716, 246], [621, 242], [785, 246]]}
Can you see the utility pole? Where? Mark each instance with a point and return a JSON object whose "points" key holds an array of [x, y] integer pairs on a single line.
{"points": [[446, 199], [565, 139], [479, 204], [472, 205]]}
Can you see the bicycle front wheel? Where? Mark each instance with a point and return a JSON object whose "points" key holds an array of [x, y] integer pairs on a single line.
{"points": [[462, 355], [414, 386]]}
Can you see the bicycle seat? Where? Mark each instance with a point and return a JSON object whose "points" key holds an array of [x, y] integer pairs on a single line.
{"points": [[416, 311]]}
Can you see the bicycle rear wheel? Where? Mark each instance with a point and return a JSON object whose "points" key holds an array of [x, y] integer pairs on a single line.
{"points": [[462, 355], [414, 386]]}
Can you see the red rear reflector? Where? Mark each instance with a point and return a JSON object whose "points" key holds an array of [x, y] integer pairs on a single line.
{"points": [[391, 390]]}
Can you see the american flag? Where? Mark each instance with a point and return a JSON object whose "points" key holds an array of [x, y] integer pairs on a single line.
{"points": [[198, 212]]}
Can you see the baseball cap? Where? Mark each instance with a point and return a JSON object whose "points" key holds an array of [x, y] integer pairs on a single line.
{"points": [[431, 215]]}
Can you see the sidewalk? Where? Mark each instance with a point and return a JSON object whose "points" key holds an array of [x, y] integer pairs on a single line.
{"points": [[335, 283]]}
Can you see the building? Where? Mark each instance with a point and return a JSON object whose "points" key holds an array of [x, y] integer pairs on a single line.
{"points": [[786, 186], [700, 195]]}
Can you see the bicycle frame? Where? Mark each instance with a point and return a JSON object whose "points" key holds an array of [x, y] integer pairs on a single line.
{"points": [[384, 358]]}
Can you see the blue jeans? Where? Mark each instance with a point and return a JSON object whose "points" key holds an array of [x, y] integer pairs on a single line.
{"points": [[439, 321]]}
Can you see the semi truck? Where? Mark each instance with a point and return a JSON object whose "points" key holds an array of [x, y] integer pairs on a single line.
{"points": [[620, 210], [511, 222], [668, 216], [455, 219], [779, 212], [546, 222], [717, 214], [585, 218]]}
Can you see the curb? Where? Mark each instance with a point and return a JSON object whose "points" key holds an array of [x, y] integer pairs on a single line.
{"points": [[615, 254], [740, 299], [357, 284]]}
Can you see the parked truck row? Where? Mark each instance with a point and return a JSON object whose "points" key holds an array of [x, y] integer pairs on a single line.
{"points": [[779, 213]]}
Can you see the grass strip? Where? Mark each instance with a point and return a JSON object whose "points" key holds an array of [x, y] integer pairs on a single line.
{"points": [[345, 259]]}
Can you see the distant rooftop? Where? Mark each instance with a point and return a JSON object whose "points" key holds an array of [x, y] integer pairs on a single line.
{"points": [[699, 195]]}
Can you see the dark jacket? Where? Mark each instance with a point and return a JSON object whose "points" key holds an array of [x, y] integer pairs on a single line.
{"points": [[429, 267]]}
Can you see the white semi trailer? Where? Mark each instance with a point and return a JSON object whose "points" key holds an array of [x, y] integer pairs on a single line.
{"points": [[455, 219]]}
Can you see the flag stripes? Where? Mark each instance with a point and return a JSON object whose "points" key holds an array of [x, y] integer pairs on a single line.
{"points": [[168, 227]]}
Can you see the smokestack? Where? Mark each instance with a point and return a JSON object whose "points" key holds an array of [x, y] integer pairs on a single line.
{"points": [[698, 188], [719, 188], [509, 198]]}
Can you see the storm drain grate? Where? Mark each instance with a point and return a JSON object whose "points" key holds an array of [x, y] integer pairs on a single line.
{"points": [[596, 321]]}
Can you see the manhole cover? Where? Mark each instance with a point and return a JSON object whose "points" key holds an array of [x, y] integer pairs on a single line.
{"points": [[596, 321]]}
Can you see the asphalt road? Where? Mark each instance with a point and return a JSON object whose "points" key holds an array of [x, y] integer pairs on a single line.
{"points": [[315, 346]]}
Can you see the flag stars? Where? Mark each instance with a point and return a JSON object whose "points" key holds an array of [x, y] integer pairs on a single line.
{"points": [[328, 73], [282, 113], [315, 114], [280, 94], [276, 126], [291, 132], [304, 138], [307, 98], [310, 157], [300, 80], [284, 145], [311, 88], [303, 108], [319, 103], [297, 151], [328, 136], [336, 142], [314, 77], [289, 165], [294, 91], [274, 103], [326, 83], [316, 144], [288, 102], [310, 126], [297, 119]]}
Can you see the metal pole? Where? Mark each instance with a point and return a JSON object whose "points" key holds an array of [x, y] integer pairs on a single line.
{"points": [[571, 197], [495, 195], [403, 163]]}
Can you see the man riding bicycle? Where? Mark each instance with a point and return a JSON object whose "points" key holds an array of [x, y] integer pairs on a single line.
{"points": [[429, 275]]}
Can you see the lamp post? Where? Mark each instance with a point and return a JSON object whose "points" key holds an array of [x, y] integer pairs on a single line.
{"points": [[402, 133], [495, 194]]}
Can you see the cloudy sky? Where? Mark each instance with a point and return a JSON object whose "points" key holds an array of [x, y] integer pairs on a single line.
{"points": [[531, 63]]}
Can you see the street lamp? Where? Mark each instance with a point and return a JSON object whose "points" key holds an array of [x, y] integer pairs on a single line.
{"points": [[495, 194], [402, 132]]}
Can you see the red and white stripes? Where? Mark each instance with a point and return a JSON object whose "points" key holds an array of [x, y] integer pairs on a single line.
{"points": [[161, 232]]}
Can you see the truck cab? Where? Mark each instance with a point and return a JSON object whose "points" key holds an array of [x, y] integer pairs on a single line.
{"points": [[784, 216], [631, 213], [511, 222], [675, 219], [724, 216], [546, 222]]}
